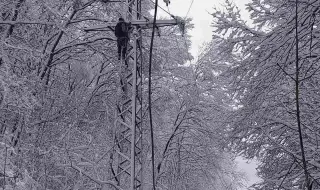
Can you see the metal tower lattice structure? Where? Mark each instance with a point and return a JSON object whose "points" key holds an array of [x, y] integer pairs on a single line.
{"points": [[128, 134], [126, 159]]}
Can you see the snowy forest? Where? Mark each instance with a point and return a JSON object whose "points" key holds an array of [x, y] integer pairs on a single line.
{"points": [[253, 91]]}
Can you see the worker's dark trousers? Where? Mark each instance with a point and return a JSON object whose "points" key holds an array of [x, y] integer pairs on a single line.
{"points": [[122, 44]]}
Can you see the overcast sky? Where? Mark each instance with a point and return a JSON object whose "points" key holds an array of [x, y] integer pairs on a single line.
{"points": [[202, 20], [201, 33]]}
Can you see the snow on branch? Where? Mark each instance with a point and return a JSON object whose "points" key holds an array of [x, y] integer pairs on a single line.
{"points": [[25, 22]]}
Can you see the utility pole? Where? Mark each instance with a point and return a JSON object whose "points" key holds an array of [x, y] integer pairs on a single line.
{"points": [[127, 162]]}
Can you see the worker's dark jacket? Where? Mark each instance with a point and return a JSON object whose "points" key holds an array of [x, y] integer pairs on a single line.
{"points": [[121, 30]]}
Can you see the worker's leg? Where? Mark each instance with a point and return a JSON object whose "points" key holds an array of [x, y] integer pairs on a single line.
{"points": [[124, 47], [119, 47]]}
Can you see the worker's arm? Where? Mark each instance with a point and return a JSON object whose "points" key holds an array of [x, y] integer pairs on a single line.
{"points": [[130, 27], [116, 30]]}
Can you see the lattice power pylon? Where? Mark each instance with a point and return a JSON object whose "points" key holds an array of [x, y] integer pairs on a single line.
{"points": [[128, 126], [128, 133], [126, 159]]}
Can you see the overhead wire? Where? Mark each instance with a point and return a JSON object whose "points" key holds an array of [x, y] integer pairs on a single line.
{"points": [[149, 95], [135, 11], [297, 95], [171, 15], [157, 5], [189, 8], [184, 37], [168, 10]]}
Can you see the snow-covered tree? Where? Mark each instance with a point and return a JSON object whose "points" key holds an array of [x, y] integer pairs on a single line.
{"points": [[57, 102], [267, 85]]}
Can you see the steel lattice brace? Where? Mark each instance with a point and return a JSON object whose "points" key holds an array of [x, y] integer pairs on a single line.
{"points": [[127, 158]]}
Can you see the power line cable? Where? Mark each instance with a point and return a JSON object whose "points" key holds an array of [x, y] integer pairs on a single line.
{"points": [[297, 95], [136, 11], [185, 40], [155, 3], [189, 9], [168, 9], [149, 94]]}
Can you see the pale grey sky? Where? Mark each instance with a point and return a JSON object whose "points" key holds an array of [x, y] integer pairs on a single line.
{"points": [[201, 33], [202, 20]]}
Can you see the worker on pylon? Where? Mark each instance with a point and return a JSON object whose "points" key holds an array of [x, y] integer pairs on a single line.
{"points": [[122, 34]]}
